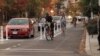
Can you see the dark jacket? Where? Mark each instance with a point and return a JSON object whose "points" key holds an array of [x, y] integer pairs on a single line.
{"points": [[48, 18]]}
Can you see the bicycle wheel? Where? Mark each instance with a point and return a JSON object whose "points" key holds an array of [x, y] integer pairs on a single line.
{"points": [[48, 36], [52, 34]]}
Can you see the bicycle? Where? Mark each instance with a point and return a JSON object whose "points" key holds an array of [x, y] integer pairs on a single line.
{"points": [[48, 32]]}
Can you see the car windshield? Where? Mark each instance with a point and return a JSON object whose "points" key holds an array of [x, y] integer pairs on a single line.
{"points": [[18, 22]]}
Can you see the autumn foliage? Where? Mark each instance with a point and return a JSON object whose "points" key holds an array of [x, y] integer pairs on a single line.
{"points": [[19, 8]]}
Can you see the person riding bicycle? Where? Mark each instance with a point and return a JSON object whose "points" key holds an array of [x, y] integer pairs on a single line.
{"points": [[49, 22]]}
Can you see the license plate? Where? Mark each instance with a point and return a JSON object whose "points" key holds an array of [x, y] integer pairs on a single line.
{"points": [[14, 32]]}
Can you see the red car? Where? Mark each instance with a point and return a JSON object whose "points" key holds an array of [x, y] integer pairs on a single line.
{"points": [[20, 27]]}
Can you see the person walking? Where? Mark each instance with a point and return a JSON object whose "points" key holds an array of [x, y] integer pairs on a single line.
{"points": [[63, 23], [74, 21]]}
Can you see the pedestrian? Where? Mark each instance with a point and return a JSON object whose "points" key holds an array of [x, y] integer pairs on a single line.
{"points": [[63, 23], [74, 21]]}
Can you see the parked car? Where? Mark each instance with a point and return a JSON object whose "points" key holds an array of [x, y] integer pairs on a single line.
{"points": [[19, 27]]}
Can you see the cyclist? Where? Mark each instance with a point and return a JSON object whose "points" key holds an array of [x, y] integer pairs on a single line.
{"points": [[49, 21]]}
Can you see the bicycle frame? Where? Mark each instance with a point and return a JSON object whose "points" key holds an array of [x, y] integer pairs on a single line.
{"points": [[48, 33]]}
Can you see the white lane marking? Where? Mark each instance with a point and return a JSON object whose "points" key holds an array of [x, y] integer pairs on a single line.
{"points": [[19, 44], [14, 40], [57, 34], [27, 49], [36, 50], [14, 46], [7, 48]]}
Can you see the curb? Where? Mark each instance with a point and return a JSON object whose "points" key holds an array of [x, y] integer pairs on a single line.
{"points": [[82, 44], [87, 45]]}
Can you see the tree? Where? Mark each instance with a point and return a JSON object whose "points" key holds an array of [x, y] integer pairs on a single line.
{"points": [[34, 8], [8, 8], [45, 3], [19, 8], [88, 6], [2, 5]]}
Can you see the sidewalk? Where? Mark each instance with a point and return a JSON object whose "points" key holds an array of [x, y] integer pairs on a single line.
{"points": [[92, 45]]}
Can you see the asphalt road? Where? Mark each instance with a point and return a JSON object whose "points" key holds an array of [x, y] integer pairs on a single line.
{"points": [[63, 45]]}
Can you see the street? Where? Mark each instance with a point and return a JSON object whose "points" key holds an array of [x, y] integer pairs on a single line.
{"points": [[25, 26], [62, 45]]}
